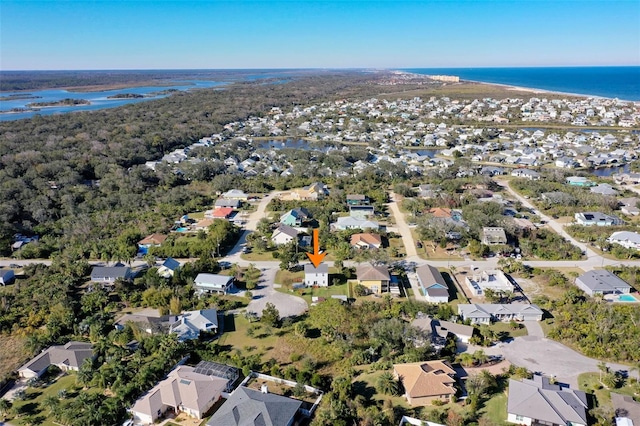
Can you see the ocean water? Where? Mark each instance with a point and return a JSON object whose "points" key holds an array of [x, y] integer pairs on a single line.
{"points": [[609, 82]]}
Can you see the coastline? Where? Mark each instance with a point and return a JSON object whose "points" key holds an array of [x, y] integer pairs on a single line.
{"points": [[533, 90]]}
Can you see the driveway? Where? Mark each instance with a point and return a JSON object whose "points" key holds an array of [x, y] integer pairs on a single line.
{"points": [[403, 228], [287, 304]]}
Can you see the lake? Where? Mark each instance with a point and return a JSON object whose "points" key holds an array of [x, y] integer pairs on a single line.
{"points": [[99, 99], [608, 171], [296, 144]]}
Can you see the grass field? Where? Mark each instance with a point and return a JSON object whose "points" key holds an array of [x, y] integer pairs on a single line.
{"points": [[326, 292], [13, 354]]}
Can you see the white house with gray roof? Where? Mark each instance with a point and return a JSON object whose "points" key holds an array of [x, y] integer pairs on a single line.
{"points": [[434, 287], [601, 281], [538, 402], [109, 274], [351, 222], [485, 313], [625, 239], [207, 283], [191, 324], [597, 219], [66, 357], [316, 277]]}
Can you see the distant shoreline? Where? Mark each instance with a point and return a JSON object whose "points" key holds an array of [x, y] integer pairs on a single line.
{"points": [[533, 90]]}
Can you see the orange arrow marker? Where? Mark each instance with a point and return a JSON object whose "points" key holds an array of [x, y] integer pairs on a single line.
{"points": [[316, 257]]}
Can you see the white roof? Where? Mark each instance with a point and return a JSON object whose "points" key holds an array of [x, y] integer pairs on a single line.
{"points": [[212, 280], [632, 237]]}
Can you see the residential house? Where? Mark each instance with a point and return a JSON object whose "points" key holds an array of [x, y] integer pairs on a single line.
{"points": [[249, 407], [375, 278], [538, 402], [604, 189], [7, 276], [184, 391], [284, 234], [526, 174], [208, 283], [597, 218], [350, 222], [627, 410], [601, 281], [109, 274], [432, 284], [148, 323], [494, 280], [493, 235], [448, 214], [314, 192], [579, 181], [316, 277], [223, 202], [208, 368], [366, 241], [440, 329], [191, 325], [203, 224], [153, 240], [357, 200], [68, 357], [222, 213], [428, 191], [426, 381], [168, 267], [295, 217], [406, 421], [361, 212], [625, 239], [486, 313], [629, 206], [235, 194]]}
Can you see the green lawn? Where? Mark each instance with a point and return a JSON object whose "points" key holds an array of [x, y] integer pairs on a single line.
{"points": [[505, 327], [495, 409], [30, 405], [326, 292], [590, 383], [258, 257], [235, 335]]}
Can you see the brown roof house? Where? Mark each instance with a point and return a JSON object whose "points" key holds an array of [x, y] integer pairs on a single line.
{"points": [[66, 357], [366, 241], [426, 381], [153, 240], [375, 278], [184, 391]]}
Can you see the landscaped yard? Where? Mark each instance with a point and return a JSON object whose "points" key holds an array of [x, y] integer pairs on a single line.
{"points": [[590, 383], [505, 327], [30, 404]]}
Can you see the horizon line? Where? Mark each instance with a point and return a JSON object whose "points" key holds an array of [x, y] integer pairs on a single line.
{"points": [[318, 68]]}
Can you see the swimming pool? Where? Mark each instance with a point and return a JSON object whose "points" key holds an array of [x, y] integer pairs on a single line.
{"points": [[627, 298]]}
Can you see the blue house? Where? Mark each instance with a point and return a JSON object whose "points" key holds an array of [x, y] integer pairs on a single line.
{"points": [[295, 217]]}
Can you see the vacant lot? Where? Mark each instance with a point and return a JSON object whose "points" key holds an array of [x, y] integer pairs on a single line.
{"points": [[12, 355]]}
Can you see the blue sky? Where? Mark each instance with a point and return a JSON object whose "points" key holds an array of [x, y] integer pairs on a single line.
{"points": [[316, 34]]}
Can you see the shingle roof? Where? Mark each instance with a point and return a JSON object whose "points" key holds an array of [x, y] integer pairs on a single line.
{"points": [[72, 354], [248, 407], [427, 378], [429, 275], [109, 272], [539, 400], [372, 273], [322, 268], [153, 239]]}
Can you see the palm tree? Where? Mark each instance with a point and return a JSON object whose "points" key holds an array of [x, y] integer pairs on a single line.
{"points": [[51, 403], [5, 406], [387, 384], [602, 366]]}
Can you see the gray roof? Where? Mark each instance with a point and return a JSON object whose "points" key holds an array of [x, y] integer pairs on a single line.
{"points": [[287, 230], [443, 328], [248, 407], [601, 280], [482, 310], [223, 202], [540, 400], [72, 354], [625, 402], [212, 280], [110, 272], [429, 275], [322, 268]]}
